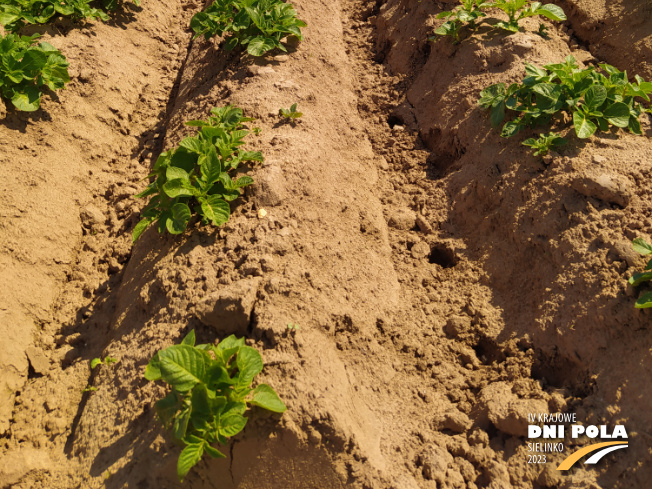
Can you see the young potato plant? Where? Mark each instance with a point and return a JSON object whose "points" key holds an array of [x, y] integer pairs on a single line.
{"points": [[15, 14], [470, 11], [644, 248], [196, 175], [520, 9], [290, 114], [25, 68], [260, 25], [108, 360], [593, 100], [544, 143], [210, 394], [464, 15]]}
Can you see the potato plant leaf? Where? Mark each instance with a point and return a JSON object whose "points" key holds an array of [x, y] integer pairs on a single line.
{"points": [[641, 246], [183, 366], [584, 128], [639, 278], [215, 209], [552, 12], [209, 394], [177, 222], [617, 114], [644, 302], [188, 458], [265, 397]]}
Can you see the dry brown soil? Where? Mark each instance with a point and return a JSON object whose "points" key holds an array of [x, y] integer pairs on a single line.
{"points": [[446, 282]]}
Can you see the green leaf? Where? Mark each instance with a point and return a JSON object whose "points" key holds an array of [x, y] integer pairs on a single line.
{"points": [[194, 145], [188, 458], [33, 60], [617, 114], [180, 217], [641, 246], [183, 158], [213, 452], [140, 228], [189, 338], [635, 126], [508, 26], [250, 156], [232, 423], [639, 278], [595, 96], [510, 128], [183, 366], [8, 16], [265, 397], [173, 173], [649, 265], [535, 71], [249, 364], [260, 45], [28, 100], [231, 43], [492, 95], [547, 95], [167, 407], [244, 181], [153, 369], [552, 12], [178, 188], [215, 209], [180, 424], [200, 402], [211, 167], [584, 128], [497, 114], [645, 301], [229, 346], [95, 362]]}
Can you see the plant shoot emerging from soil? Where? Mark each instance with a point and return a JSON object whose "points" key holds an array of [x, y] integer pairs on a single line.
{"points": [[260, 25], [195, 176], [544, 143], [210, 394], [108, 360], [290, 114]]}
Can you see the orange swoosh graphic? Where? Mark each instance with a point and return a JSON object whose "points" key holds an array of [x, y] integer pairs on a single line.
{"points": [[574, 457]]}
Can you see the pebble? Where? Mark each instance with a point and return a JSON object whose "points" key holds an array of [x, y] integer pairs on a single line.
{"points": [[420, 250], [403, 219]]}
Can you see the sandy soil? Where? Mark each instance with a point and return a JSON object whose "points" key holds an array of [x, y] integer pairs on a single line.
{"points": [[446, 282]]}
